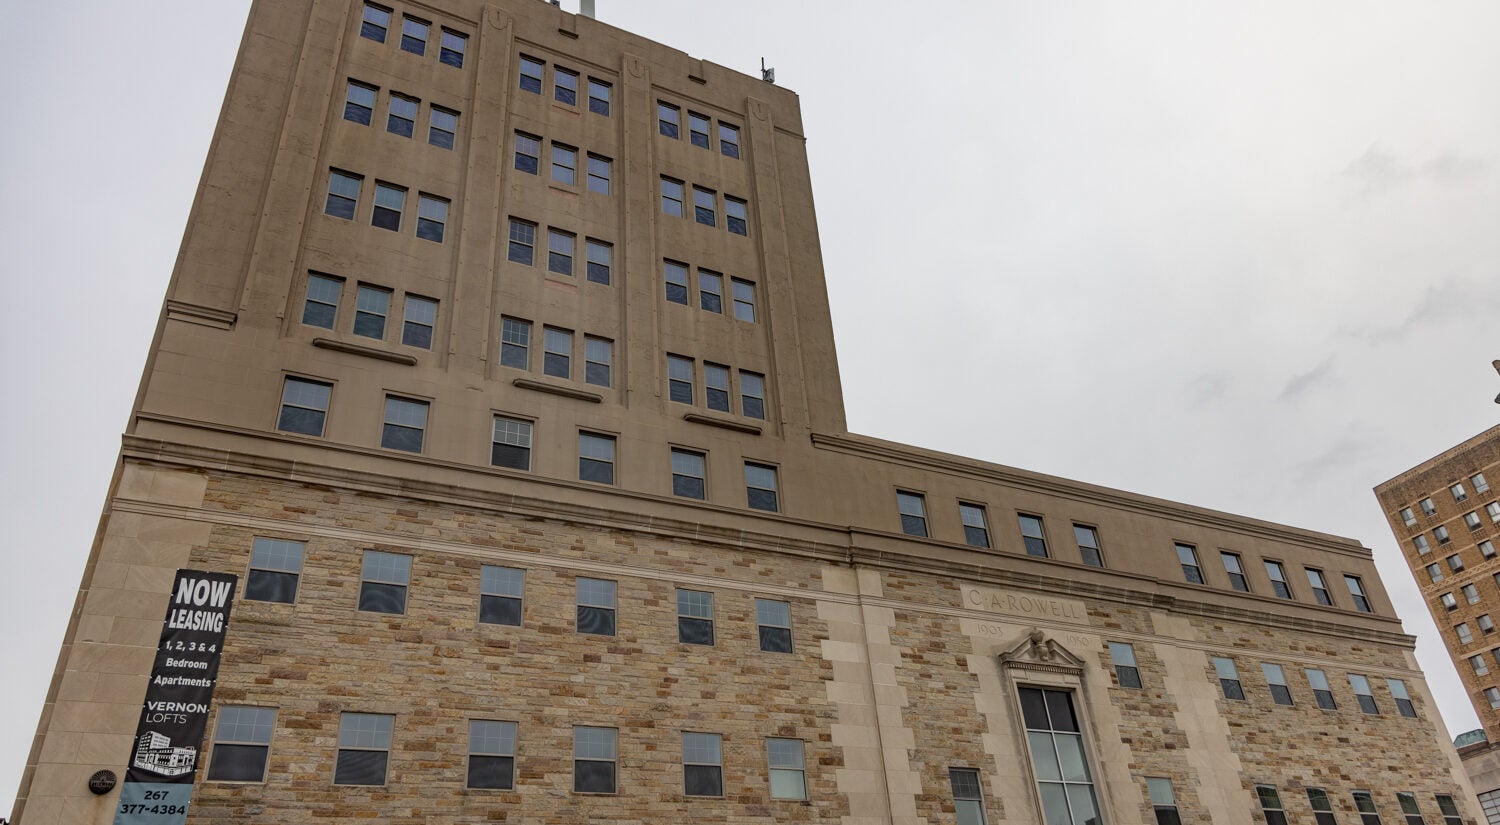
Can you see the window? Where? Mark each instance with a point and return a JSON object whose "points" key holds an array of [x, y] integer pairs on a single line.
{"points": [[1123, 657], [913, 510], [752, 395], [441, 127], [1365, 804], [600, 169], [452, 50], [375, 23], [1058, 757], [1270, 805], [1441, 534], [1458, 492], [1363, 694], [241, 742], [1032, 535], [594, 757], [1236, 571], [322, 304], [598, 359], [1187, 556], [788, 774], [968, 796], [716, 386], [1434, 573], [601, 258], [389, 201], [510, 446], [1357, 593], [1465, 636], [1455, 563], [531, 74], [596, 458], [774, 621], [1449, 602], [405, 422], [676, 275], [1322, 692], [527, 154], [671, 197], [704, 206], [522, 246], [1088, 545], [1163, 800], [1471, 520], [688, 474], [564, 164], [432, 218], [1428, 508], [492, 755], [343, 193], [760, 487], [668, 119], [371, 306], [1279, 584], [680, 379], [500, 594], [359, 103], [560, 247], [1229, 678], [735, 215], [421, 316], [364, 748], [600, 94], [1480, 485], [1281, 694], [383, 581], [402, 119], [1448, 809], [976, 528], [744, 300], [304, 405], [1408, 517], [702, 764], [1404, 705], [414, 36], [1471, 593], [729, 140], [1420, 542], [1486, 624], [1319, 587], [596, 607], [710, 291], [1322, 807], [1409, 808], [275, 565], [515, 343], [1487, 549], [557, 352], [1493, 695], [695, 617], [565, 86], [698, 130]]}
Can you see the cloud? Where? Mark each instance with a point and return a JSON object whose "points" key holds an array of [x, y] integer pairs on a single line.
{"points": [[1451, 167], [1306, 381], [1342, 454], [1207, 388], [1377, 171], [1441, 303]]}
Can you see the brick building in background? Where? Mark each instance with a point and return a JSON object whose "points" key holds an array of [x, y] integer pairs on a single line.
{"points": [[498, 365], [1445, 514]]}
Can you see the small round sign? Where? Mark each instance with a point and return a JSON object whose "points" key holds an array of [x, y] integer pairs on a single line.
{"points": [[102, 782]]}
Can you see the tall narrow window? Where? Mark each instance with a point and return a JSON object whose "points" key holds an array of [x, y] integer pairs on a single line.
{"points": [[1448, 809], [680, 379], [598, 360], [557, 352], [1420, 542], [343, 194], [695, 617], [1270, 805], [364, 748], [453, 47], [1122, 656], [565, 86], [527, 157], [668, 119], [414, 36], [1088, 545], [242, 739], [601, 258], [515, 343], [705, 206], [1455, 563], [702, 764], [1471, 520], [492, 755], [442, 127], [383, 581], [752, 395], [676, 275], [1365, 804], [688, 474], [1163, 800], [788, 771], [912, 508], [564, 164], [600, 94], [1408, 517], [1319, 587], [1363, 694], [1322, 692], [1033, 536], [596, 458], [671, 197], [1428, 508], [1229, 678], [1058, 757], [371, 306], [304, 406], [600, 169], [736, 215], [322, 305], [359, 103], [419, 319], [594, 757], [402, 119], [1492, 695], [1465, 635], [510, 445], [501, 590], [744, 300], [560, 247], [375, 23], [729, 140], [1236, 571], [1486, 624], [1322, 806], [1409, 809], [1281, 694], [1279, 584], [773, 620], [760, 487], [710, 291], [1471, 593], [531, 74], [976, 528], [716, 386], [432, 218], [698, 126], [1479, 482], [1357, 593], [405, 424], [1458, 492], [1187, 556], [596, 607], [275, 566], [968, 796], [1403, 699], [522, 247]]}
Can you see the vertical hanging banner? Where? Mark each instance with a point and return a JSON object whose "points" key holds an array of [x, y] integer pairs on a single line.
{"points": [[159, 780]]}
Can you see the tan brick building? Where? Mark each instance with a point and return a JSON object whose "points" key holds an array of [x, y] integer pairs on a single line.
{"points": [[1445, 514], [498, 366]]}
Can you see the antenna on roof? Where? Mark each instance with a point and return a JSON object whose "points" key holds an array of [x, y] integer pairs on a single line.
{"points": [[768, 75]]}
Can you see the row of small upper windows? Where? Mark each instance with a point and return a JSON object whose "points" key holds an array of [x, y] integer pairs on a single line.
{"points": [[565, 84], [372, 309], [710, 290], [1322, 807], [717, 393], [1429, 507], [527, 158], [669, 124], [402, 112], [557, 352], [1456, 563], [1471, 520], [562, 247], [1187, 557], [1281, 691], [375, 24], [705, 206], [388, 206]]}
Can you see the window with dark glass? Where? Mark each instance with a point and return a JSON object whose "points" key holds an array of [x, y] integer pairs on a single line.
{"points": [[418, 321], [596, 458], [1163, 800], [565, 86], [242, 740], [1270, 805], [716, 386], [522, 246], [359, 103], [680, 379], [452, 49], [402, 119], [1279, 584], [600, 170], [560, 246], [528, 153], [492, 755], [1088, 545], [343, 194], [596, 607], [322, 305], [501, 593], [668, 119], [705, 203], [1187, 556], [275, 567], [304, 406], [1122, 656], [752, 395], [688, 474], [1033, 536], [671, 197], [760, 487], [389, 201], [375, 22], [695, 617], [1357, 593], [912, 508], [968, 796], [414, 36], [1319, 587], [564, 164], [1409, 808], [1449, 809], [1058, 757], [1236, 571], [515, 343], [736, 215], [1229, 678], [405, 424], [442, 126], [976, 528], [1363, 694], [702, 764], [594, 757], [383, 581], [1322, 692], [510, 445], [557, 352], [1404, 705], [773, 620], [698, 126], [531, 74], [710, 291], [432, 218], [601, 257], [1322, 807], [1365, 804], [676, 277], [744, 300], [598, 360], [729, 140], [600, 94], [1281, 693]]}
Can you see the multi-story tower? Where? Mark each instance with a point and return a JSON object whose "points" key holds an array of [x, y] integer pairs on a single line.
{"points": [[1446, 516], [497, 368]]}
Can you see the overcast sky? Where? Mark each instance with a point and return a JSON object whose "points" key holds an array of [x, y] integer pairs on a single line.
{"points": [[1245, 256]]}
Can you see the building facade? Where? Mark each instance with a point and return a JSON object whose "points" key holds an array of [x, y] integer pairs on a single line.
{"points": [[497, 366], [1446, 516]]}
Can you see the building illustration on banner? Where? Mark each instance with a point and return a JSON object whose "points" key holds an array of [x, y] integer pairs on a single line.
{"points": [[155, 753]]}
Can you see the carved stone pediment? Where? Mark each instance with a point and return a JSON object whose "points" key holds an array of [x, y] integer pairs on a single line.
{"points": [[1038, 651]]}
